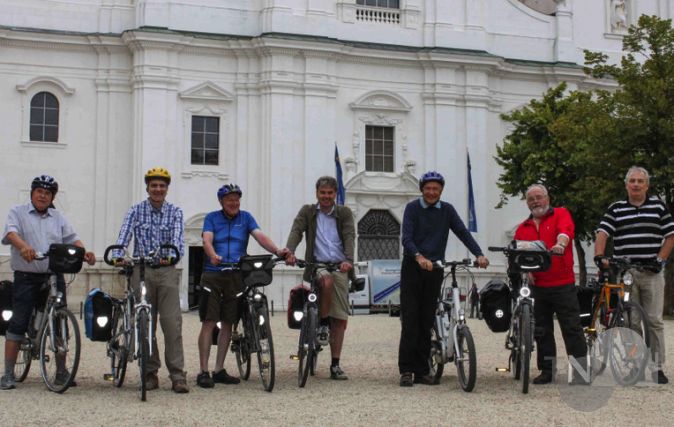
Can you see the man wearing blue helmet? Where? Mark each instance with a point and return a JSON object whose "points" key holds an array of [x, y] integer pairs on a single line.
{"points": [[31, 228], [225, 237], [425, 231]]}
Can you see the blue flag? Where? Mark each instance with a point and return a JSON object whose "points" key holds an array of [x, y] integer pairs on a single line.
{"points": [[341, 194], [472, 218]]}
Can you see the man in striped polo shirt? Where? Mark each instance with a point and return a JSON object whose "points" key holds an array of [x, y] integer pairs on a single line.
{"points": [[643, 231]]}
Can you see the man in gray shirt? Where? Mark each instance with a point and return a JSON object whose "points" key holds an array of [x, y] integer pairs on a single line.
{"points": [[30, 229]]}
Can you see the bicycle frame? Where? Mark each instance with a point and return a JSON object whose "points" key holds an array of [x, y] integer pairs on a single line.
{"points": [[449, 315]]}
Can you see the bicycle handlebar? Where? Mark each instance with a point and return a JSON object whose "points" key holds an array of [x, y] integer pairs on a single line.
{"points": [[172, 260], [466, 262], [330, 266]]}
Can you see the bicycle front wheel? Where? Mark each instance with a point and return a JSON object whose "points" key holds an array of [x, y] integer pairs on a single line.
{"points": [[60, 350], [242, 350], [525, 346], [307, 346], [436, 360], [265, 357], [23, 360], [119, 352], [628, 344], [143, 350], [466, 359]]}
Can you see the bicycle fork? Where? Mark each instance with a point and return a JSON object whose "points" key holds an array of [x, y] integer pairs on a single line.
{"points": [[143, 307]]}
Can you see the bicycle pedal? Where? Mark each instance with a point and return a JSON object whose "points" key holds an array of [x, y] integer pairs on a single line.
{"points": [[108, 377], [294, 357], [502, 369]]}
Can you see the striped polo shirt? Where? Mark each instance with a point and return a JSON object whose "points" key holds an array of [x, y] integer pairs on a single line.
{"points": [[638, 231]]}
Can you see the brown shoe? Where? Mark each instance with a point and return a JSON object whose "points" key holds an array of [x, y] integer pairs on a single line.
{"points": [[151, 381], [406, 379], [180, 386], [425, 379]]}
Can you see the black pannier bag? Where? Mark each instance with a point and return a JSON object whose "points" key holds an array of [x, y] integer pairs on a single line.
{"points": [[586, 303], [495, 305], [65, 258], [296, 299], [98, 316], [5, 305], [256, 269]]}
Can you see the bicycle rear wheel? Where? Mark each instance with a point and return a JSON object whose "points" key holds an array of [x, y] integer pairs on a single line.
{"points": [[265, 357], [307, 346], [436, 359], [525, 345], [60, 350], [143, 350], [118, 350], [466, 358], [242, 350], [23, 360]]}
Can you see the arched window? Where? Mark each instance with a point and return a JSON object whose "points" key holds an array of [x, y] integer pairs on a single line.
{"points": [[378, 236], [44, 117]]}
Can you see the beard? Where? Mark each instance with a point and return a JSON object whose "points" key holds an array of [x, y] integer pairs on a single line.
{"points": [[538, 212]]}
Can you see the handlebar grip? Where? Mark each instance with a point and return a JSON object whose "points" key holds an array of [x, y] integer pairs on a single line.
{"points": [[109, 249], [497, 248], [301, 263], [172, 260]]}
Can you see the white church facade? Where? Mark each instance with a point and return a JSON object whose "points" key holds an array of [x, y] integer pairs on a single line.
{"points": [[260, 92]]}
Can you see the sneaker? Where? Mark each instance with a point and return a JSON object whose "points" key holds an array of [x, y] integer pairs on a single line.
{"points": [[544, 378], [425, 379], [204, 380], [660, 377], [180, 387], [336, 373], [151, 381], [223, 377], [7, 382], [406, 379], [323, 336]]}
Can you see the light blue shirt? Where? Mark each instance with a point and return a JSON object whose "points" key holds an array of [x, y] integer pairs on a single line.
{"points": [[39, 231], [425, 205], [328, 246]]}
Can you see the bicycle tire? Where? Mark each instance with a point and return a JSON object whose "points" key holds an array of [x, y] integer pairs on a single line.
{"points": [[436, 364], [143, 351], [596, 345], [307, 346], [466, 355], [525, 346], [628, 363], [242, 352], [23, 360], [60, 347], [265, 357], [119, 352], [313, 361]]}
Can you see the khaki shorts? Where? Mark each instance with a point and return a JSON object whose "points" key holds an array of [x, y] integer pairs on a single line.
{"points": [[339, 307], [218, 296]]}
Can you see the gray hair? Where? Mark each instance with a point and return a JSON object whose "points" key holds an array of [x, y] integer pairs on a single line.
{"points": [[532, 186], [633, 169], [326, 181]]}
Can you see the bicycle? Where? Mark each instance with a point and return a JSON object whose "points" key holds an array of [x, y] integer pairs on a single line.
{"points": [[131, 322], [256, 272], [451, 339], [523, 257], [53, 335], [613, 309]]}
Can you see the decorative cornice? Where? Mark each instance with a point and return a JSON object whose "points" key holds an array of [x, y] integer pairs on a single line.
{"points": [[207, 91], [67, 90]]}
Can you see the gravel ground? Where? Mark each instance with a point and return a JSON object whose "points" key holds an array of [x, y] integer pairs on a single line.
{"points": [[370, 397]]}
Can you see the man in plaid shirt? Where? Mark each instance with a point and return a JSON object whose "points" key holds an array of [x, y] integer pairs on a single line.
{"points": [[154, 222]]}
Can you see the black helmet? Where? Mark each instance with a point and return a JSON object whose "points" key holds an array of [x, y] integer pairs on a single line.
{"points": [[431, 176], [45, 181]]}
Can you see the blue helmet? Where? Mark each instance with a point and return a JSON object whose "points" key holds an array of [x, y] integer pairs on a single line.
{"points": [[431, 176], [45, 181], [228, 189]]}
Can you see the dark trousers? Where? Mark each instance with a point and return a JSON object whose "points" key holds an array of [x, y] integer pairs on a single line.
{"points": [[562, 301], [419, 291], [475, 307]]}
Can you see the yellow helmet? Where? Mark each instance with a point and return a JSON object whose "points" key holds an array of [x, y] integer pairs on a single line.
{"points": [[158, 173]]}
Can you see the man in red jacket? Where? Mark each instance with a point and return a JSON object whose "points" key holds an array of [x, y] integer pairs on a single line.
{"points": [[554, 290]]}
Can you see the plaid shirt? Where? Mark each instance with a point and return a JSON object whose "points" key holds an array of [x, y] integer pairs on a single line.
{"points": [[152, 227]]}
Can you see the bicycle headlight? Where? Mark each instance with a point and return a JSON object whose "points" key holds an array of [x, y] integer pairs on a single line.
{"points": [[298, 315], [628, 279], [257, 297], [6, 315], [102, 321], [312, 297], [525, 292]]}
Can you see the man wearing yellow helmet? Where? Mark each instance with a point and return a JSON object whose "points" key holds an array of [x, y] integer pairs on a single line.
{"points": [[154, 222]]}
